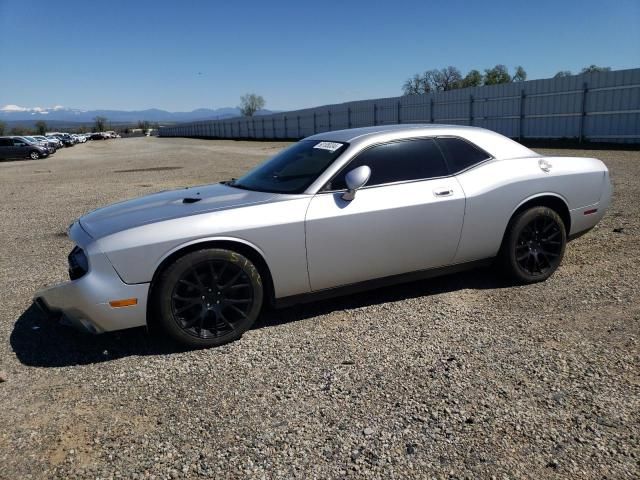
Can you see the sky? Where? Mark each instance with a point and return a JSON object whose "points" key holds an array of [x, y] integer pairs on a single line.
{"points": [[183, 55]]}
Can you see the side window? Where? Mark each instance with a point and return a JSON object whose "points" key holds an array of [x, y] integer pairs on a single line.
{"points": [[5, 142], [18, 143], [460, 154], [396, 162]]}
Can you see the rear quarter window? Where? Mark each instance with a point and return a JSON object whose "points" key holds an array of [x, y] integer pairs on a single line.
{"points": [[461, 154]]}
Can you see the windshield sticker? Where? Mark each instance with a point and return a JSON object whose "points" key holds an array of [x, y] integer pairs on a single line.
{"points": [[331, 146]]}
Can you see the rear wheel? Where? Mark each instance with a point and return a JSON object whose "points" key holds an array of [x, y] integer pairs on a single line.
{"points": [[534, 245], [208, 297], [34, 155]]}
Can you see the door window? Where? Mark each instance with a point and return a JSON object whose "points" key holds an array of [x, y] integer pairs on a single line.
{"points": [[406, 160]]}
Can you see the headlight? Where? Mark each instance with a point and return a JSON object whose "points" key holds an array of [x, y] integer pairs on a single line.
{"points": [[78, 263]]}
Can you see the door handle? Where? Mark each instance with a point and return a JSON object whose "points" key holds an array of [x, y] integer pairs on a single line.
{"points": [[443, 192]]}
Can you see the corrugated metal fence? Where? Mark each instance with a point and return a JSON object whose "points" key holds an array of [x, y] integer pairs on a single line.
{"points": [[595, 107]]}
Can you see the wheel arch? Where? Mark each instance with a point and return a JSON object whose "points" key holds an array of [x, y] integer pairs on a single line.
{"points": [[553, 201], [249, 250]]}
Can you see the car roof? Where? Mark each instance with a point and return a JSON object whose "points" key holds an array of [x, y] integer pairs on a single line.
{"points": [[495, 144]]}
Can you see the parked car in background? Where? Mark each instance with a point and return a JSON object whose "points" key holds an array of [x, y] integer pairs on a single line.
{"points": [[97, 136], [54, 144], [332, 214], [21, 148], [65, 138], [55, 140], [43, 143]]}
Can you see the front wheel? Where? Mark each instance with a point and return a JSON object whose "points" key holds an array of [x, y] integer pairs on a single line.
{"points": [[208, 297], [34, 155], [534, 245]]}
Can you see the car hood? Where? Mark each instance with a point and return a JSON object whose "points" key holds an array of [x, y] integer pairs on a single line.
{"points": [[168, 205]]}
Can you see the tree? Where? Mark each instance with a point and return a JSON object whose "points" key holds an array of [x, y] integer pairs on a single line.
{"points": [[144, 126], [448, 78], [497, 75], [2, 127], [250, 104], [472, 79], [595, 69], [41, 127], [413, 86], [563, 73], [19, 130], [99, 123], [520, 75]]}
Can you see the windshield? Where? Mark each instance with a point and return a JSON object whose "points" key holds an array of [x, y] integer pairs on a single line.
{"points": [[293, 169]]}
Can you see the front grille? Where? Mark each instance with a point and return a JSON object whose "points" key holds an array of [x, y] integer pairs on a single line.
{"points": [[78, 264]]}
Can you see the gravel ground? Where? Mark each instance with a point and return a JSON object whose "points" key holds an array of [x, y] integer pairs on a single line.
{"points": [[457, 377]]}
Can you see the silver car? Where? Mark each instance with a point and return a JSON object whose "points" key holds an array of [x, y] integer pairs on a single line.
{"points": [[333, 213]]}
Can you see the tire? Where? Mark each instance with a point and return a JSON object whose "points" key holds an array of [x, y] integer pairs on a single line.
{"points": [[34, 155], [207, 298], [533, 246]]}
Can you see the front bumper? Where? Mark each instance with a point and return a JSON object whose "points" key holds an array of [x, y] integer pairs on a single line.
{"points": [[84, 302]]}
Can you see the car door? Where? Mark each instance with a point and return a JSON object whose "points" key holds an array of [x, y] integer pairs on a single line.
{"points": [[407, 218], [20, 149], [6, 148]]}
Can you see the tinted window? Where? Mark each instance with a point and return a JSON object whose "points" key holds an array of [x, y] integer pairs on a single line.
{"points": [[460, 154], [19, 142], [293, 169], [396, 162], [5, 142]]}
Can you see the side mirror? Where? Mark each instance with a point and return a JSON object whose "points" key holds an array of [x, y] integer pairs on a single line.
{"points": [[355, 180]]}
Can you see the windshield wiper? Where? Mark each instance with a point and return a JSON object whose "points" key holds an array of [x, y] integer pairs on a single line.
{"points": [[234, 183]]}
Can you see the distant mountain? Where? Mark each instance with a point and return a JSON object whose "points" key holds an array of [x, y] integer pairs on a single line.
{"points": [[15, 113]]}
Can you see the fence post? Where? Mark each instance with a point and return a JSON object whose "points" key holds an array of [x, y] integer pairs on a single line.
{"points": [[315, 127], [521, 126], [471, 110], [263, 131], [329, 118], [348, 117], [399, 106], [431, 116], [583, 113], [298, 123], [273, 126], [286, 133], [375, 114]]}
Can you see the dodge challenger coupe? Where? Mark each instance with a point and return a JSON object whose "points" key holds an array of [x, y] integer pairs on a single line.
{"points": [[333, 213]]}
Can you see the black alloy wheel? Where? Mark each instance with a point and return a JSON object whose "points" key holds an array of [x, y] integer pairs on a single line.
{"points": [[534, 245], [539, 246], [209, 297]]}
